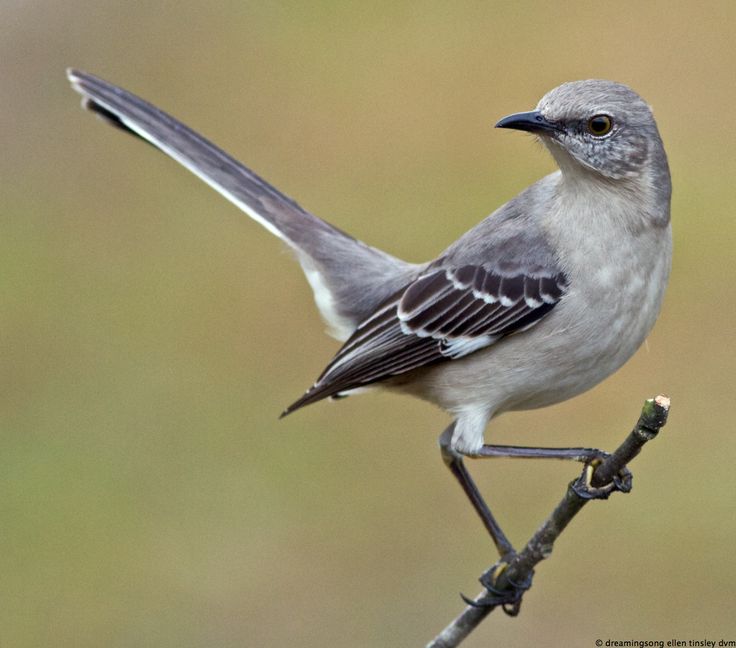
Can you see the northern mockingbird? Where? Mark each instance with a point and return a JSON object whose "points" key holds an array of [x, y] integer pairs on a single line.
{"points": [[543, 299]]}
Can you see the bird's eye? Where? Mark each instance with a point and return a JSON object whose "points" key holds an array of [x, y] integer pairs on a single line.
{"points": [[600, 125]]}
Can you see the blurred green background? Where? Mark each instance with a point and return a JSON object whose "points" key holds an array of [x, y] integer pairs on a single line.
{"points": [[150, 496]]}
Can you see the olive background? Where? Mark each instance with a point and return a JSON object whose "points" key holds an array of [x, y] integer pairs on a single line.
{"points": [[150, 334]]}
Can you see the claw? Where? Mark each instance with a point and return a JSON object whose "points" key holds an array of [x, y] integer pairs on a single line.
{"points": [[583, 487], [509, 598], [523, 586], [512, 609], [490, 578], [624, 481], [475, 604]]}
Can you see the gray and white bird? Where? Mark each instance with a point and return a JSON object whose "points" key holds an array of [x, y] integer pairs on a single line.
{"points": [[539, 302]]}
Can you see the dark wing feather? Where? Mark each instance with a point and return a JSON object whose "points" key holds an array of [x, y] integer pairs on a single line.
{"points": [[443, 315]]}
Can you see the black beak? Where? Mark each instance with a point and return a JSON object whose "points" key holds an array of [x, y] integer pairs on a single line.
{"points": [[532, 121]]}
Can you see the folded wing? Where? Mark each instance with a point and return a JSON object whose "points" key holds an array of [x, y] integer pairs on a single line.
{"points": [[445, 314]]}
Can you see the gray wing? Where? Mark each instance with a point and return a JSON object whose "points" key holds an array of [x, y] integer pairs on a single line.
{"points": [[445, 314]]}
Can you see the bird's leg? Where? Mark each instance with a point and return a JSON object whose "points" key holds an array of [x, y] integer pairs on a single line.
{"points": [[591, 457], [585, 455], [455, 463], [509, 599]]}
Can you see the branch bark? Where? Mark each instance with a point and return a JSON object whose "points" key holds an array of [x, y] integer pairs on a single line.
{"points": [[595, 482]]}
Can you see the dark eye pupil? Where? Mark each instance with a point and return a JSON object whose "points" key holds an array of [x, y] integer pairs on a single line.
{"points": [[599, 125]]}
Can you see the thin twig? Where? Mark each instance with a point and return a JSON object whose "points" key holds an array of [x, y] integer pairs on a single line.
{"points": [[516, 576]]}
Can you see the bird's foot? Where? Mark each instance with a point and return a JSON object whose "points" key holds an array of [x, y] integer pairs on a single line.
{"points": [[584, 488], [508, 597]]}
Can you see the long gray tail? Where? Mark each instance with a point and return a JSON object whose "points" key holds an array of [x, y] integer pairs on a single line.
{"points": [[349, 278]]}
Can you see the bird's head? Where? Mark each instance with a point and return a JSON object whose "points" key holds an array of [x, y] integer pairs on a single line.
{"points": [[598, 125]]}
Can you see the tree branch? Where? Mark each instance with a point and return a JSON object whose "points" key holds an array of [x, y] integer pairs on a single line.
{"points": [[510, 579]]}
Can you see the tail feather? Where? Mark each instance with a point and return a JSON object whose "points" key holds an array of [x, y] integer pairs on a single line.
{"points": [[349, 278]]}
